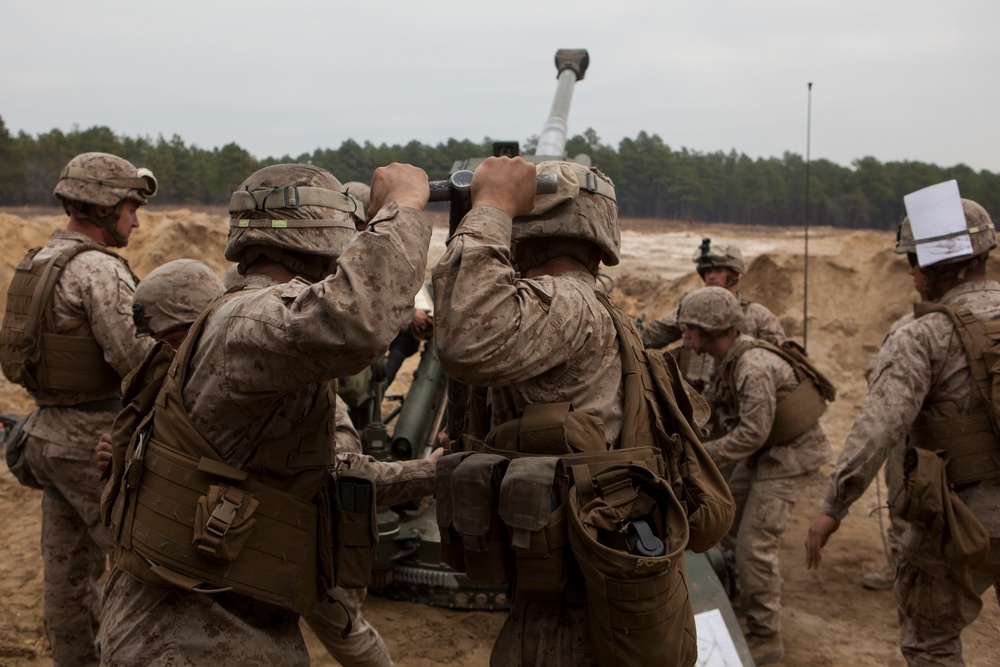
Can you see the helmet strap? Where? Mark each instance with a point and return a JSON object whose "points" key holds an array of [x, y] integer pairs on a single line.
{"points": [[108, 223]]}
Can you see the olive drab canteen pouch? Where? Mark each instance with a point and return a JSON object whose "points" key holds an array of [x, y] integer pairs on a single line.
{"points": [[32, 354], [628, 533], [969, 442], [926, 498], [15, 457], [662, 410]]}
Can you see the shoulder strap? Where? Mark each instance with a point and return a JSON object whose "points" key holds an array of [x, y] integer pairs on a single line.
{"points": [[977, 336], [636, 384], [45, 287]]}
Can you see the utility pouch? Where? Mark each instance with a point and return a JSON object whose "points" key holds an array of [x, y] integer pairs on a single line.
{"points": [[223, 521], [158, 528], [452, 550], [355, 528], [628, 533], [533, 506], [14, 454], [928, 499], [551, 429], [475, 484]]}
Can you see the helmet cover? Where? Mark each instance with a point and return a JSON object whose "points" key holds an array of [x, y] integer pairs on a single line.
{"points": [[174, 295], [710, 308]]}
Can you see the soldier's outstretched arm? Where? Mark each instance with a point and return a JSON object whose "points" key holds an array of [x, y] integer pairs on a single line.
{"points": [[820, 530]]}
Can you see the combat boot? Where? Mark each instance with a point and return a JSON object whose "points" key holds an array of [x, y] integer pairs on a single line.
{"points": [[880, 579], [766, 649]]}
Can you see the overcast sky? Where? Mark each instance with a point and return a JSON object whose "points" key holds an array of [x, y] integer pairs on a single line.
{"points": [[896, 80]]}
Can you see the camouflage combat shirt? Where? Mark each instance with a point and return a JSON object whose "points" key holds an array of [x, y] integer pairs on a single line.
{"points": [[260, 361], [531, 341], [920, 363], [757, 376], [94, 290]]}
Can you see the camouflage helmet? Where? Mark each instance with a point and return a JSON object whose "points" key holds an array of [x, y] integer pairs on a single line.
{"points": [[718, 255], [173, 295], [103, 179], [360, 191], [296, 208], [981, 233], [583, 207], [710, 308]]}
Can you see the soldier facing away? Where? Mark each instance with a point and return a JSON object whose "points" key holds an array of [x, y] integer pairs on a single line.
{"points": [[167, 302], [68, 338], [248, 407], [546, 346], [923, 383]]}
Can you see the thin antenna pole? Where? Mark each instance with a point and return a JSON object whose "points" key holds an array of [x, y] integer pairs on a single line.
{"points": [[805, 287]]}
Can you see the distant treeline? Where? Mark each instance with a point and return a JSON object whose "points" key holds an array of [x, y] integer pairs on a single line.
{"points": [[653, 180]]}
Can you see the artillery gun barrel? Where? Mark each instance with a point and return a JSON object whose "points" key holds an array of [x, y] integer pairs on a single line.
{"points": [[571, 65], [421, 411]]}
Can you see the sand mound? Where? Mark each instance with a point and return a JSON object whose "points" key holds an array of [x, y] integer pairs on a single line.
{"points": [[857, 288]]}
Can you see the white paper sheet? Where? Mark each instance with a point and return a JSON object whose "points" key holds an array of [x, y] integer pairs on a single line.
{"points": [[934, 212], [715, 645]]}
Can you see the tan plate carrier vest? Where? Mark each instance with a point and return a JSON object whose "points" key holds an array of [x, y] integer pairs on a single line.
{"points": [[969, 442], [185, 517], [797, 408], [32, 354]]}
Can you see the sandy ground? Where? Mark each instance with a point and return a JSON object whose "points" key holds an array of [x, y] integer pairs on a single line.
{"points": [[856, 288]]}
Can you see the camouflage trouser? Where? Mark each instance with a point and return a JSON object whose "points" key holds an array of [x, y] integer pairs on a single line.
{"points": [[764, 506], [75, 547], [937, 601], [363, 647], [165, 626], [543, 633]]}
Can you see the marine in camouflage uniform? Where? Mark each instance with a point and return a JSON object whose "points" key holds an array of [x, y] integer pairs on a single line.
{"points": [[166, 304], [921, 371], [719, 265], [541, 337], [771, 475], [261, 358], [92, 298]]}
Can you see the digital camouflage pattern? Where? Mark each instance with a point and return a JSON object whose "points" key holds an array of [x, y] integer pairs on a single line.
{"points": [[175, 293], [765, 480], [758, 322], [103, 179], [94, 294], [543, 340], [260, 360], [531, 341], [921, 364]]}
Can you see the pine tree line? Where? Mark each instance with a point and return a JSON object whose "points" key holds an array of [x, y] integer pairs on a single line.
{"points": [[653, 180]]}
